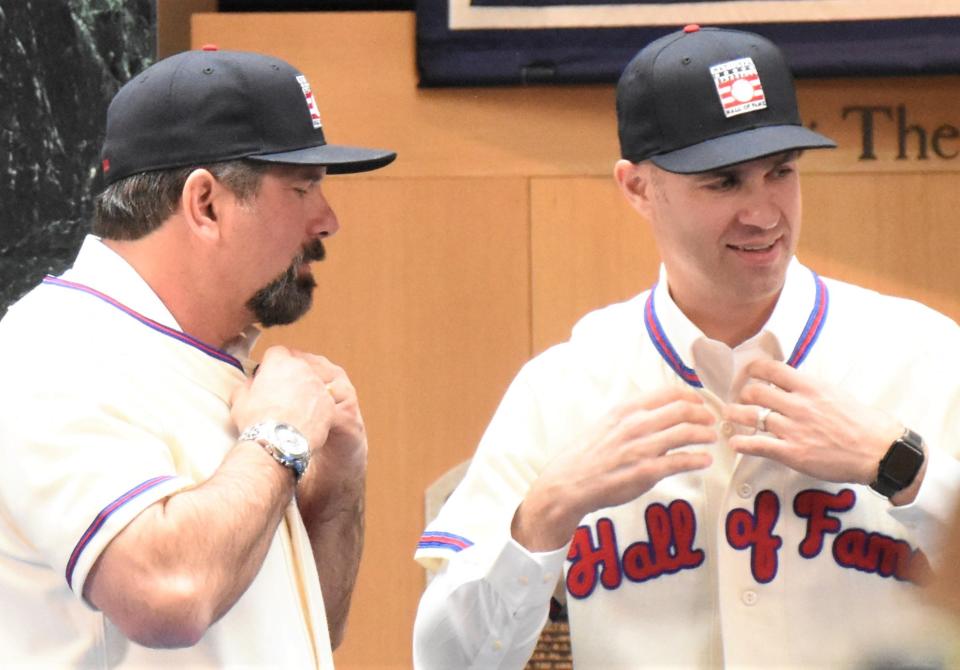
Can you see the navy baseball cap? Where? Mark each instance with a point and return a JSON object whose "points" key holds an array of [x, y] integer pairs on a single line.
{"points": [[208, 105], [700, 99]]}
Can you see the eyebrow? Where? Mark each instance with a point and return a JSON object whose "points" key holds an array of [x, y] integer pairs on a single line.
{"points": [[789, 156], [312, 172]]}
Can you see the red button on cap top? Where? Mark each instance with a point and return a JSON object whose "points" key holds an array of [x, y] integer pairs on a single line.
{"points": [[210, 47], [692, 28]]}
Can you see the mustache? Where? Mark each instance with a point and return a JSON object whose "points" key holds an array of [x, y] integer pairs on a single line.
{"points": [[313, 251]]}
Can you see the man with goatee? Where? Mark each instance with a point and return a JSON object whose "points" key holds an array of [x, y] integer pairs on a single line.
{"points": [[164, 501]]}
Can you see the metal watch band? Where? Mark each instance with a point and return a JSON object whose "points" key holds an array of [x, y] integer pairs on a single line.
{"points": [[264, 434]]}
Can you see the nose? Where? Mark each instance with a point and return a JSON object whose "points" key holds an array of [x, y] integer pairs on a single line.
{"points": [[323, 220], [759, 209]]}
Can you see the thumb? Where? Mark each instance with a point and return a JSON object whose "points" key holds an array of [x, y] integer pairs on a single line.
{"points": [[240, 391]]}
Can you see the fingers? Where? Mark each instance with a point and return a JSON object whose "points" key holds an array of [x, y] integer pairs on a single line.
{"points": [[792, 404], [629, 482], [675, 423], [338, 387], [686, 461], [335, 378], [779, 374], [661, 441], [764, 394], [669, 405], [288, 388], [667, 395], [764, 445], [759, 418], [643, 437]]}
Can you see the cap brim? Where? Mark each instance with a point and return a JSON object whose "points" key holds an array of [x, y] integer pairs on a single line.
{"points": [[739, 147], [337, 158]]}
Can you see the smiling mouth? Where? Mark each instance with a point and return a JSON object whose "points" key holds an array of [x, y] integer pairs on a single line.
{"points": [[754, 248]]}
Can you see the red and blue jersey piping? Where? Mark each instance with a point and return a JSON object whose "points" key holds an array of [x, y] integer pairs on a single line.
{"points": [[811, 331], [102, 517], [439, 540], [150, 323], [805, 342]]}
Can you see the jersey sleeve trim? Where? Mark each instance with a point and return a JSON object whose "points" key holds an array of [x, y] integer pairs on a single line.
{"points": [[102, 517], [441, 540]]}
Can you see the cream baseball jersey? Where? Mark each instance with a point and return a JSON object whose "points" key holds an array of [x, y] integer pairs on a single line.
{"points": [[744, 564], [106, 408]]}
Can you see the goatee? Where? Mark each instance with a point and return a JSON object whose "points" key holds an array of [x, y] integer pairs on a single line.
{"points": [[289, 296]]}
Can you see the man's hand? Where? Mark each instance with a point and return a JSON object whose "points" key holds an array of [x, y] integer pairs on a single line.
{"points": [[625, 456], [287, 388], [337, 471], [813, 428]]}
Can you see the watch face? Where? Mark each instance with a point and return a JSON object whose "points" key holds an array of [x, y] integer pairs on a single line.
{"points": [[903, 462], [291, 440]]}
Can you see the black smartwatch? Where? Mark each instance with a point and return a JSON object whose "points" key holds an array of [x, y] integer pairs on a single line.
{"points": [[901, 464]]}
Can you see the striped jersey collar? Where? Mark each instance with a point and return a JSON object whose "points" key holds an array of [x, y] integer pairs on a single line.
{"points": [[102, 273], [148, 322], [796, 322]]}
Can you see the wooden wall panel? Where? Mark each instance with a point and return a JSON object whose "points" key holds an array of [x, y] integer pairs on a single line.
{"points": [[423, 299], [896, 233], [173, 23], [588, 248]]}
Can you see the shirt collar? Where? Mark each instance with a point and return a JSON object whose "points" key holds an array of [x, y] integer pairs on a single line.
{"points": [[103, 269], [100, 268], [788, 334]]}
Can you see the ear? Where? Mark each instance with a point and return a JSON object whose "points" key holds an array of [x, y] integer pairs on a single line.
{"points": [[634, 180], [201, 201]]}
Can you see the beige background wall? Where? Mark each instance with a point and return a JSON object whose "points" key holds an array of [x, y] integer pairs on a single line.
{"points": [[499, 224]]}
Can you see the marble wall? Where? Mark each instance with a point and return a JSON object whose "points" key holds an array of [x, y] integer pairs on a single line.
{"points": [[61, 61]]}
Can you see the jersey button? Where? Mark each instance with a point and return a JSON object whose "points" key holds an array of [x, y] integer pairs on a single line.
{"points": [[727, 429], [524, 580], [749, 597], [744, 490]]}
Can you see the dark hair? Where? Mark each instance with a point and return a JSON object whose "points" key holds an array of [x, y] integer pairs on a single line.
{"points": [[137, 205]]}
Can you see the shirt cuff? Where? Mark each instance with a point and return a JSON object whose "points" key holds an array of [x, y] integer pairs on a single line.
{"points": [[524, 578]]}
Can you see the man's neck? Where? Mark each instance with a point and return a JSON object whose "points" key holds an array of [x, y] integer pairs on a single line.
{"points": [[732, 324], [183, 289]]}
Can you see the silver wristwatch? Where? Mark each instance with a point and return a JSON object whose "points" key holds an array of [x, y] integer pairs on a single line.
{"points": [[282, 441]]}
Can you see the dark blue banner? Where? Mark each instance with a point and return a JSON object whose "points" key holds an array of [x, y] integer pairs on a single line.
{"points": [[459, 42]]}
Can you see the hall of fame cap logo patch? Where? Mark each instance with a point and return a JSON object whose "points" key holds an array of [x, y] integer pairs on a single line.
{"points": [[739, 88], [311, 101]]}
